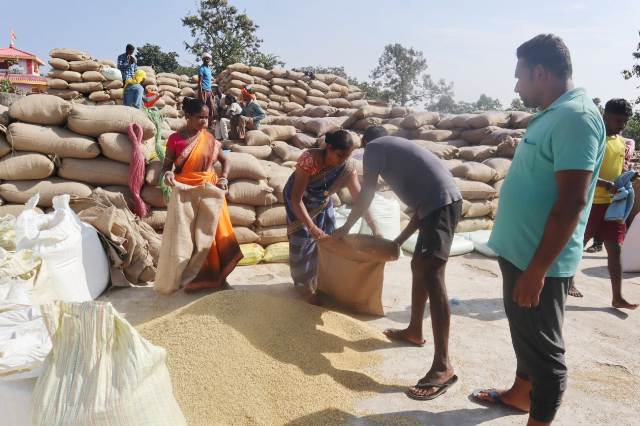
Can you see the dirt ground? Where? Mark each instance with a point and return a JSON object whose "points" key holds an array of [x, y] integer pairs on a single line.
{"points": [[603, 344]]}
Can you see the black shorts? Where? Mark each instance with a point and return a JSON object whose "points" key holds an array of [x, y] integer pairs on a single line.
{"points": [[437, 230]]}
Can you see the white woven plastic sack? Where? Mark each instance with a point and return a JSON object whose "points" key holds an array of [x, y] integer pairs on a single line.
{"points": [[387, 213], [71, 250], [101, 372], [630, 255], [480, 241], [459, 245], [111, 73]]}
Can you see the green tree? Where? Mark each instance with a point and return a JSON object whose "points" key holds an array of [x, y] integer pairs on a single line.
{"points": [[632, 131], [486, 103], [229, 35], [153, 56], [265, 60], [398, 72], [311, 69], [518, 105], [438, 95], [634, 70]]}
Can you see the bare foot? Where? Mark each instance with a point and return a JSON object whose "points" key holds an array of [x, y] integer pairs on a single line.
{"points": [[502, 397], [573, 291], [404, 336], [623, 304]]}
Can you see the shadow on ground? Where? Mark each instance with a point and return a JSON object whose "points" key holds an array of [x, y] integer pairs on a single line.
{"points": [[461, 417]]}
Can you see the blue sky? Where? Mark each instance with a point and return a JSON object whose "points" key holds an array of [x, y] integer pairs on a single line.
{"points": [[469, 42]]}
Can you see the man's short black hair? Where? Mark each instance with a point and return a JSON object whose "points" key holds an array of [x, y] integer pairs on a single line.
{"points": [[618, 106], [549, 51], [130, 47], [374, 132]]}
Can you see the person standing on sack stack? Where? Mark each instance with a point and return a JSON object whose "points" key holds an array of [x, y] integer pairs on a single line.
{"points": [[191, 153], [617, 113], [422, 182], [205, 94], [539, 228], [319, 174], [127, 63], [252, 115]]}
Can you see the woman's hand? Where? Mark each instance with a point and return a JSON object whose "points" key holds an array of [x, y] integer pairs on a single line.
{"points": [[223, 183], [318, 234], [169, 179]]}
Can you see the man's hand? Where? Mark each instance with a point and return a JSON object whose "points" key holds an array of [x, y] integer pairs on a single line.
{"points": [[340, 233], [526, 293]]}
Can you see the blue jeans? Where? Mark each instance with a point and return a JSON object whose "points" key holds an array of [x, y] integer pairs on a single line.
{"points": [[133, 96]]}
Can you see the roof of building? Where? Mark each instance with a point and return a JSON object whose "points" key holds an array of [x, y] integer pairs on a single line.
{"points": [[11, 53], [24, 79]]}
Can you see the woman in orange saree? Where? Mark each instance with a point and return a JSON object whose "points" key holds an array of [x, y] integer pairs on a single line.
{"points": [[190, 155]]}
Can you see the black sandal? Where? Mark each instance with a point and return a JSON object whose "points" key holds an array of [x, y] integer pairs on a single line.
{"points": [[442, 389]]}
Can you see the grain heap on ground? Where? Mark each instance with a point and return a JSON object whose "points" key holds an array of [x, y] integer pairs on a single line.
{"points": [[239, 357]]}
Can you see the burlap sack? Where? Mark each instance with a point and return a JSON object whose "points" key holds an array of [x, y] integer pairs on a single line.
{"points": [[294, 75], [500, 165], [84, 66], [498, 185], [435, 135], [318, 85], [242, 215], [272, 97], [25, 166], [251, 192], [279, 133], [4, 115], [271, 235], [321, 126], [320, 111], [69, 54], [291, 106], [41, 109], [153, 196], [316, 100], [304, 141], [65, 94], [471, 190], [156, 219], [56, 83], [153, 173], [245, 235], [476, 209], [116, 94], [443, 151], [475, 224], [51, 140], [285, 151], [99, 97], [296, 91], [169, 89], [260, 152], [170, 75], [519, 119], [271, 216], [118, 147], [275, 72], [94, 121], [446, 123], [165, 81], [497, 136], [69, 76], [256, 138], [176, 123], [284, 82], [475, 171], [5, 148], [351, 271], [260, 72], [476, 136], [476, 153], [334, 95], [365, 123], [19, 192], [340, 103], [507, 148], [98, 171], [192, 219], [169, 111], [278, 180], [114, 192], [59, 64], [419, 119], [93, 76], [86, 87], [107, 62], [244, 166], [494, 118], [316, 93]]}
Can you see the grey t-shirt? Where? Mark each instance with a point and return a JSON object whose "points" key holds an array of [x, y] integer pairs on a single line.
{"points": [[414, 173]]}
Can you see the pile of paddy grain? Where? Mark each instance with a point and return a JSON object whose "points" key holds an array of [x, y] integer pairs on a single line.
{"points": [[240, 357]]}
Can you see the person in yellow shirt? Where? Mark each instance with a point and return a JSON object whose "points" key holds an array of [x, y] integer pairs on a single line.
{"points": [[616, 115]]}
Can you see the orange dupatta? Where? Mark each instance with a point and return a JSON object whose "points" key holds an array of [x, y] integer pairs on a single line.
{"points": [[194, 166]]}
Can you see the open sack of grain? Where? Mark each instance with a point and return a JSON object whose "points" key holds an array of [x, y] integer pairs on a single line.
{"points": [[351, 271]]}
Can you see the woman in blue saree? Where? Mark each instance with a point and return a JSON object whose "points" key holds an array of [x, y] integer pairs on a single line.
{"points": [[310, 216]]}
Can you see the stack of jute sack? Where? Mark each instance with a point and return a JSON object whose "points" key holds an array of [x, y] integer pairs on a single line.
{"points": [[281, 91], [172, 87], [75, 75], [55, 147]]}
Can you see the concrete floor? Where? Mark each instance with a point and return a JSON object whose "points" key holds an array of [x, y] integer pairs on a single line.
{"points": [[603, 344]]}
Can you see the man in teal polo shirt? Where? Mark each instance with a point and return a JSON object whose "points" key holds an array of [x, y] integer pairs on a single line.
{"points": [[544, 206]]}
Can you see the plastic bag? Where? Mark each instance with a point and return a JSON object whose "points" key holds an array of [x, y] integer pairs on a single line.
{"points": [[117, 378], [253, 254], [111, 73], [277, 253]]}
